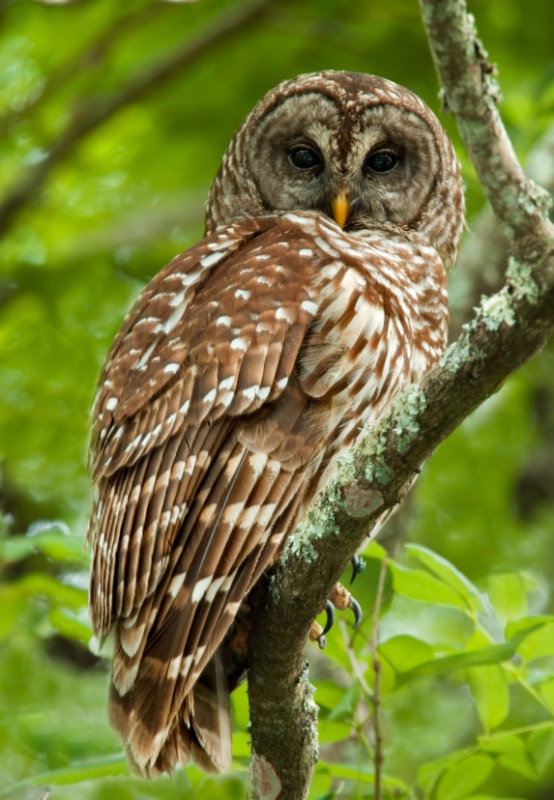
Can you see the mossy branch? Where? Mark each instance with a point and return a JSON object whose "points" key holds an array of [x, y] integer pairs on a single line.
{"points": [[507, 329]]}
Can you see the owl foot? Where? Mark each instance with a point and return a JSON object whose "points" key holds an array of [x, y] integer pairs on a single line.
{"points": [[341, 599]]}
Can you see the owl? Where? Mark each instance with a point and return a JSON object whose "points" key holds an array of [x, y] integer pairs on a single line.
{"points": [[243, 371]]}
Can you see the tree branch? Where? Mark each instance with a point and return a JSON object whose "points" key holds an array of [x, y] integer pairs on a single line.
{"points": [[90, 116], [473, 277], [508, 328]]}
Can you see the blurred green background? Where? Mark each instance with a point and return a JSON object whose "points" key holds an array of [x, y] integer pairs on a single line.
{"points": [[113, 119]]}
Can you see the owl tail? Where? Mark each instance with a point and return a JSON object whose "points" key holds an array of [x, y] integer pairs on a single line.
{"points": [[201, 731]]}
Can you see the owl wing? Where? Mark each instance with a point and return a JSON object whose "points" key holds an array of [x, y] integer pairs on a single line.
{"points": [[199, 451]]}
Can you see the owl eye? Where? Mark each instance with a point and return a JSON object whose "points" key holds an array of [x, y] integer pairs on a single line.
{"points": [[382, 161], [304, 157]]}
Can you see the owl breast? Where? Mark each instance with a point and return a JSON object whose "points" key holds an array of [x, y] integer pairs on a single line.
{"points": [[381, 324]]}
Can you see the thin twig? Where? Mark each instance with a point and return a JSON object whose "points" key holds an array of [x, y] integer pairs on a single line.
{"points": [[376, 698], [357, 668]]}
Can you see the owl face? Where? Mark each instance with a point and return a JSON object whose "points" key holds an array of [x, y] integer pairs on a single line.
{"points": [[357, 148], [306, 153]]}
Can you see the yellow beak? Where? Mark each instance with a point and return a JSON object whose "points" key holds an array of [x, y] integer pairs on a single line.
{"points": [[340, 208]]}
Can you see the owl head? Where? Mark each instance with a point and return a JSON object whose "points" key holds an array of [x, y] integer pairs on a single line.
{"points": [[357, 148]]}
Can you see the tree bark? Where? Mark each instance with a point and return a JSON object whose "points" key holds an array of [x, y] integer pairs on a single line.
{"points": [[507, 329]]}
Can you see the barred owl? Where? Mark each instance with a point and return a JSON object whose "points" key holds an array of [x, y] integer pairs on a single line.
{"points": [[244, 369]]}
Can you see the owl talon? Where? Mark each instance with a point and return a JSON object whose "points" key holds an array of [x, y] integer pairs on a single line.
{"points": [[357, 609], [358, 565], [341, 599], [317, 634], [330, 611]]}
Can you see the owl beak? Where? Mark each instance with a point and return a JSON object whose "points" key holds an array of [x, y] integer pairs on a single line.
{"points": [[340, 208]]}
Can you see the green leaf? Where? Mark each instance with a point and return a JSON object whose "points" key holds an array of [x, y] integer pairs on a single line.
{"points": [[375, 550], [538, 643], [491, 797], [516, 628], [489, 687], [508, 594], [12, 602], [430, 772], [76, 773], [511, 752], [494, 654], [463, 778], [361, 775], [405, 652], [344, 709], [546, 688], [332, 731], [70, 624], [540, 746], [420, 585], [41, 584], [448, 573]]}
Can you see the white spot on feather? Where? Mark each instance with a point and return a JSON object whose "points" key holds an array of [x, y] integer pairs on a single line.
{"points": [[227, 383], [200, 589], [176, 583], [212, 258], [285, 314], [209, 397], [250, 393], [309, 306], [240, 343], [172, 369], [214, 588]]}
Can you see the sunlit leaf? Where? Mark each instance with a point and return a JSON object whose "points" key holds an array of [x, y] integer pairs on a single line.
{"points": [[405, 652], [494, 654], [489, 686], [429, 773], [511, 752], [507, 592], [420, 585], [538, 643], [448, 573], [540, 745], [462, 779]]}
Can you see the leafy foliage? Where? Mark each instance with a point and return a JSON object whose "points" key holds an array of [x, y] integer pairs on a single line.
{"points": [[465, 656]]}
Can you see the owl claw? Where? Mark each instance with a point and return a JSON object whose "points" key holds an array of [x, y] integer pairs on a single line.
{"points": [[358, 565], [330, 611], [341, 599], [317, 634], [357, 609]]}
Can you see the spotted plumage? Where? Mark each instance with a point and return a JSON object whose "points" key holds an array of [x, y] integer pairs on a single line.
{"points": [[244, 369]]}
